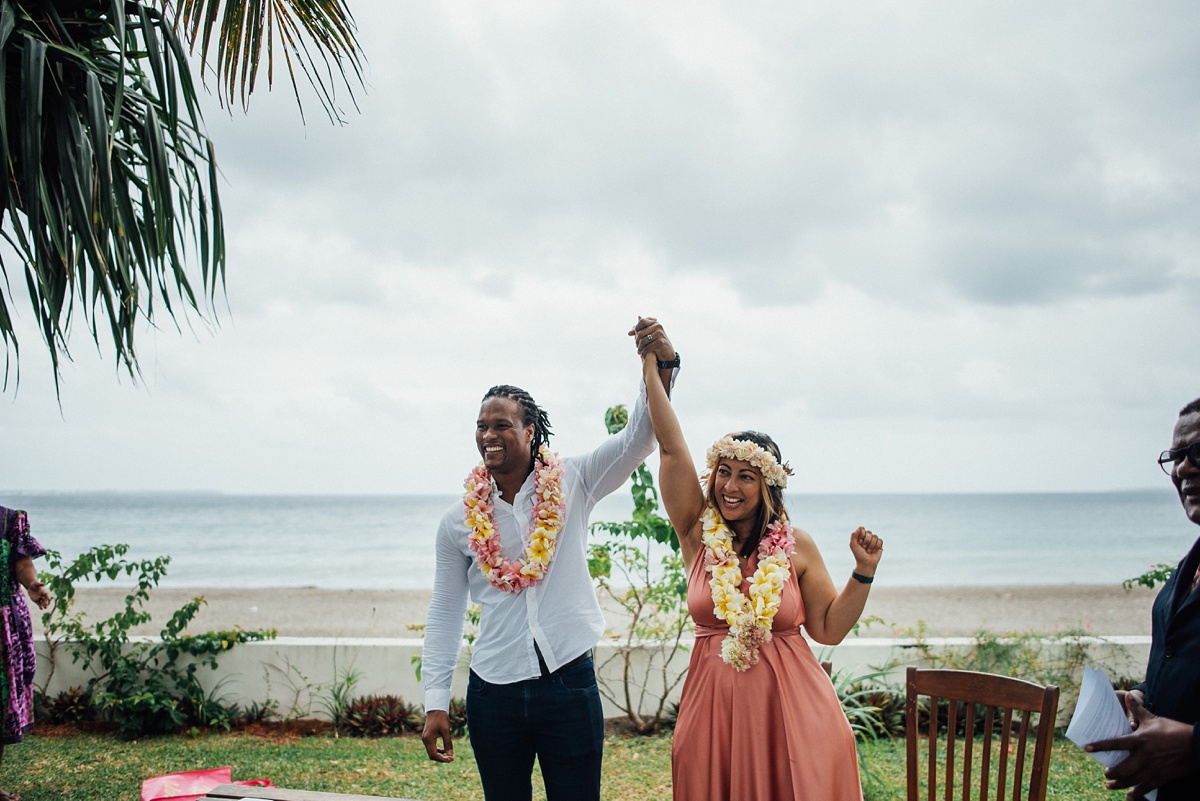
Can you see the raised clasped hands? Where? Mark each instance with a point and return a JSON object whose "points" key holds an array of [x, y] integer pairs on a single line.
{"points": [[650, 337], [1160, 749], [867, 549]]}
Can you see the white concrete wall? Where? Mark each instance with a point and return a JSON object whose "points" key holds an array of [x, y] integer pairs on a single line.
{"points": [[298, 673]]}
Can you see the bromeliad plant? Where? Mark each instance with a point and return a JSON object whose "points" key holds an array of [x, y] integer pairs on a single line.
{"points": [[145, 686]]}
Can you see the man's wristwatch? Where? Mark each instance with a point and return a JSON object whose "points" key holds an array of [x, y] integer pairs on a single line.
{"points": [[669, 365]]}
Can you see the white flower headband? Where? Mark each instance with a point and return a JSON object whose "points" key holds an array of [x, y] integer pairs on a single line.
{"points": [[774, 473]]}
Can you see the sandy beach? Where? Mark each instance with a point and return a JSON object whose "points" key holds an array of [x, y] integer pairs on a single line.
{"points": [[945, 611]]}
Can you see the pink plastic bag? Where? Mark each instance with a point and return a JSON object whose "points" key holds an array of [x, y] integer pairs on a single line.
{"points": [[192, 784]]}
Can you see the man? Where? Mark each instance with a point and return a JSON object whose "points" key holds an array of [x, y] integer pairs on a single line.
{"points": [[1164, 748], [517, 545]]}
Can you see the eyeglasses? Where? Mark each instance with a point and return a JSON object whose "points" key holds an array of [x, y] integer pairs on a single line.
{"points": [[1169, 460]]}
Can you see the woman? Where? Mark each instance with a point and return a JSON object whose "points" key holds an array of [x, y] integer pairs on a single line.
{"points": [[759, 718], [18, 661]]}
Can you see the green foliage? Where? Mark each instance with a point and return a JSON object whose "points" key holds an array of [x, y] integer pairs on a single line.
{"points": [[873, 708], [239, 31], [73, 705], [108, 181], [381, 716], [258, 712], [106, 173], [146, 687], [645, 522], [657, 619], [1157, 574], [653, 595], [337, 697], [1044, 658]]}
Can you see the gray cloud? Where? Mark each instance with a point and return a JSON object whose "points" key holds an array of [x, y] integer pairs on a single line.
{"points": [[923, 225]]}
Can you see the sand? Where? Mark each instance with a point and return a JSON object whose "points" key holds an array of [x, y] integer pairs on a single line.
{"points": [[946, 611]]}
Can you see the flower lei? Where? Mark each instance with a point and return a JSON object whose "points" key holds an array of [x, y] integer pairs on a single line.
{"points": [[549, 511], [749, 618], [774, 473]]}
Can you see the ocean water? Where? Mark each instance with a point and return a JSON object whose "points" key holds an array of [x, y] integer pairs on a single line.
{"points": [[386, 542]]}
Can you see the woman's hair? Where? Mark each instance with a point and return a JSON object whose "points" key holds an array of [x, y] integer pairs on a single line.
{"points": [[1191, 408], [770, 508], [531, 415]]}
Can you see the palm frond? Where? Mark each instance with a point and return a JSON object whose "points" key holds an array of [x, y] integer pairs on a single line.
{"points": [[316, 37], [107, 181]]}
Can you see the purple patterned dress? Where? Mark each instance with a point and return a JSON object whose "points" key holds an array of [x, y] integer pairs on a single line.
{"points": [[18, 660]]}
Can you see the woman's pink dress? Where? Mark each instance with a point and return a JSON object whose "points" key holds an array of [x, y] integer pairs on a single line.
{"points": [[773, 732]]}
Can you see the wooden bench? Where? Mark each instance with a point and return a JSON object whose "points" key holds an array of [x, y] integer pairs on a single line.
{"points": [[237, 792]]}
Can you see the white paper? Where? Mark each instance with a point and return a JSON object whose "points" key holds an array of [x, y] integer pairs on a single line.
{"points": [[1099, 716]]}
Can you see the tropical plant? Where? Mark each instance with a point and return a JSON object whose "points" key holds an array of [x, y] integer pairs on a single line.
{"points": [[653, 594], [241, 29], [336, 698], [144, 686], [108, 182]]}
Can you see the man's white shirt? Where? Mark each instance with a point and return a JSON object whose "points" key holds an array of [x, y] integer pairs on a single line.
{"points": [[561, 614]]}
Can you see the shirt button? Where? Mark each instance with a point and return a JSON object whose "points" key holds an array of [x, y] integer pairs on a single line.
{"points": [[1169, 652]]}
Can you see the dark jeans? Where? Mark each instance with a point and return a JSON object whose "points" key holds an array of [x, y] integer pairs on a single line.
{"points": [[557, 718]]}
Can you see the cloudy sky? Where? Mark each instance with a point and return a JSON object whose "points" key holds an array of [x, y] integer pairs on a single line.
{"points": [[929, 246]]}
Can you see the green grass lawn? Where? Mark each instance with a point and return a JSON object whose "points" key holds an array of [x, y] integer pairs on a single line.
{"points": [[94, 767]]}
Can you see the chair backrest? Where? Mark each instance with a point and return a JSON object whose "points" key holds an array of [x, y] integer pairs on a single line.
{"points": [[1002, 767]]}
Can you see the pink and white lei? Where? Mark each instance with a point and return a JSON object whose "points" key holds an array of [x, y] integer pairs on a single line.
{"points": [[749, 618], [549, 512]]}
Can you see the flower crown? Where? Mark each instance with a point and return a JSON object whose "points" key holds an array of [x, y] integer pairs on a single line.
{"points": [[774, 473]]}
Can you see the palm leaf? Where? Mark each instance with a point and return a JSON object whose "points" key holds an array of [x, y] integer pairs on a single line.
{"points": [[109, 180], [315, 36]]}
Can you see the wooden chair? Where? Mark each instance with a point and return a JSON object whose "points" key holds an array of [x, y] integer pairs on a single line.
{"points": [[950, 690]]}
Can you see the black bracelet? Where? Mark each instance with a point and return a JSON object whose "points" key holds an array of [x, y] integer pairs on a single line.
{"points": [[669, 365], [859, 577]]}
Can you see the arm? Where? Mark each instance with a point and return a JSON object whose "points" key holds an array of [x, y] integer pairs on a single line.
{"points": [[1160, 749], [27, 575], [830, 615], [677, 479], [443, 640]]}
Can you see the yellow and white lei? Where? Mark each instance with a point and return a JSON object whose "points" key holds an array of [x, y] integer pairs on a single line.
{"points": [[749, 618]]}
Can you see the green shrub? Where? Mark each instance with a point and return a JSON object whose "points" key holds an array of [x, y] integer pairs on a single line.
{"points": [[1044, 658], [653, 596], [144, 687]]}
